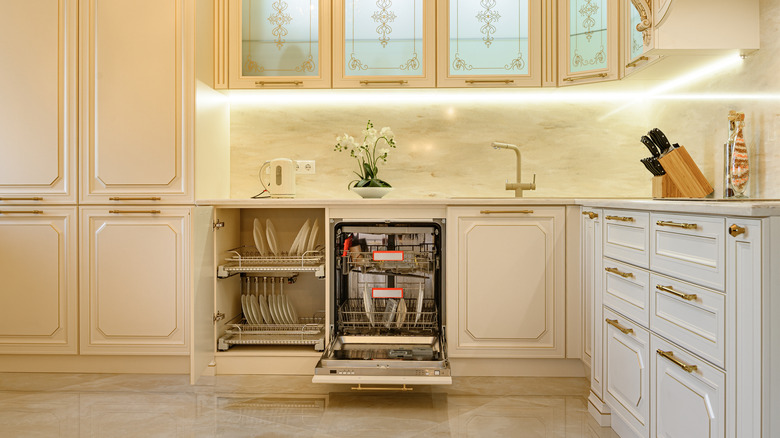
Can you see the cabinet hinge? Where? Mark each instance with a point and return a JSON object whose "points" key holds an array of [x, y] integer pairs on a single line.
{"points": [[218, 316], [218, 224]]}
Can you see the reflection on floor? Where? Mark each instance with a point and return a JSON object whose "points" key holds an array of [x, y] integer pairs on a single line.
{"points": [[112, 405]]}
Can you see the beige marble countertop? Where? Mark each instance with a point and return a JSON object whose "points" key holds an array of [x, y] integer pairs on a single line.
{"points": [[748, 207]]}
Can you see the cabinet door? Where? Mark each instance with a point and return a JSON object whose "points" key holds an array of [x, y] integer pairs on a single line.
{"points": [[688, 394], [136, 97], [591, 289], [39, 285], [637, 35], [488, 43], [384, 43], [38, 95], [279, 44], [505, 297], [588, 38], [134, 264]]}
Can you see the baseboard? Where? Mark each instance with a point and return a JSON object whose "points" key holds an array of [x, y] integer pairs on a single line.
{"points": [[94, 364], [599, 410], [470, 367]]}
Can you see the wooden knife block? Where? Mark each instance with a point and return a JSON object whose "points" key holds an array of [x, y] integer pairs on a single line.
{"points": [[683, 178]]}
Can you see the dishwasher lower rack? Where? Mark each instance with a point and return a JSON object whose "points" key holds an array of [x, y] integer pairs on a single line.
{"points": [[309, 331], [355, 316]]}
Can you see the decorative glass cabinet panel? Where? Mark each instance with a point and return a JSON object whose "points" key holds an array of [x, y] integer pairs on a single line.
{"points": [[589, 40], [484, 42], [279, 43], [637, 35], [384, 42]]}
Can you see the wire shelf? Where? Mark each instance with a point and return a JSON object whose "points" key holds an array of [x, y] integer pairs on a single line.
{"points": [[249, 259], [309, 331], [353, 317]]}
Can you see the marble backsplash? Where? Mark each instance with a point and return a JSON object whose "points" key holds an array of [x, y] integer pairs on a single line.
{"points": [[579, 143]]}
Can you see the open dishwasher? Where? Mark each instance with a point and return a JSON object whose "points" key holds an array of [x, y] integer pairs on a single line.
{"points": [[387, 305]]}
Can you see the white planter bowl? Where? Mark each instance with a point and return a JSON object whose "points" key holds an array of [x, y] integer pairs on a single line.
{"points": [[372, 192]]}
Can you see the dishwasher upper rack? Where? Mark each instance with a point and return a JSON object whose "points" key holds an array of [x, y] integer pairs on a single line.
{"points": [[354, 319], [309, 331], [247, 259]]}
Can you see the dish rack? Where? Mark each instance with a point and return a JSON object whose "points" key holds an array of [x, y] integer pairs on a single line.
{"points": [[354, 319], [309, 331], [247, 259]]}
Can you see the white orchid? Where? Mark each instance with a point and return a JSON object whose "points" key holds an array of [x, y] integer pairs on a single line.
{"points": [[366, 154]]}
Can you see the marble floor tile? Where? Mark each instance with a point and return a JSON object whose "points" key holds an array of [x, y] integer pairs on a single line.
{"points": [[111, 405]]}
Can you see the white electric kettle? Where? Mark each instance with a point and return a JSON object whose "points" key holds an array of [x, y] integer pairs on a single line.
{"points": [[278, 177]]}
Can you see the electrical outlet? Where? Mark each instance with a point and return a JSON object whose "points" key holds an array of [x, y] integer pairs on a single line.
{"points": [[304, 166]]}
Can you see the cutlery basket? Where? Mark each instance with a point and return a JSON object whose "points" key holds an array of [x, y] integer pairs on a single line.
{"points": [[683, 178]]}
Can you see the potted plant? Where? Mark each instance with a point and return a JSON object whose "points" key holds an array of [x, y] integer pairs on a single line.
{"points": [[368, 155]]}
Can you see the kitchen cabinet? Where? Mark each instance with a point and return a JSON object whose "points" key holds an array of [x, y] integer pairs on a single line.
{"points": [[279, 44], [134, 280], [384, 44], [489, 44], [38, 115], [636, 36], [588, 41], [136, 101], [505, 287], [38, 298]]}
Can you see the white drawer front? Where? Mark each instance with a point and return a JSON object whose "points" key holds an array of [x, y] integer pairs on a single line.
{"points": [[695, 254], [685, 403], [627, 290], [692, 316], [627, 350], [626, 236]]}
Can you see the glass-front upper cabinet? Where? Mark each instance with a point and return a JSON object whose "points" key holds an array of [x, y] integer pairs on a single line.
{"points": [[279, 44], [637, 34], [384, 43], [487, 42], [588, 48]]}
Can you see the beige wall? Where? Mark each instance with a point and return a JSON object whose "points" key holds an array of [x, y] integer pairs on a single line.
{"points": [[581, 142]]}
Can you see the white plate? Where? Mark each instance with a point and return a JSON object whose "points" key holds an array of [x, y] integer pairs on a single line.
{"points": [[254, 308], [272, 309], [257, 233], [368, 304], [300, 240], [313, 235], [246, 310], [420, 296], [264, 311], [279, 302], [288, 310], [401, 313], [293, 313], [270, 233]]}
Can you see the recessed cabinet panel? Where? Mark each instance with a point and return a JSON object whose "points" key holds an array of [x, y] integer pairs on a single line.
{"points": [[626, 236], [279, 43], [588, 40], [384, 43], [488, 42], [38, 94], [133, 100], [626, 290], [38, 271], [133, 286]]}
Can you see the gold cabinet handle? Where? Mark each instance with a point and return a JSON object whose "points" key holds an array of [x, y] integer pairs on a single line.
{"points": [[676, 224], [735, 230], [264, 83], [669, 289], [670, 355], [637, 61], [614, 323], [590, 214], [134, 211], [131, 198], [490, 81], [619, 218], [617, 272], [34, 198], [398, 82], [506, 212], [21, 212], [579, 78]]}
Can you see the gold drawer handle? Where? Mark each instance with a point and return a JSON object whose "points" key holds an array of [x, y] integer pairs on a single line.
{"points": [[617, 272], [34, 198], [590, 214], [398, 82], [614, 323], [735, 230], [669, 289], [637, 61], [490, 81], [264, 83], [677, 224], [21, 212], [670, 355], [579, 78], [134, 211], [131, 198], [506, 212], [619, 218]]}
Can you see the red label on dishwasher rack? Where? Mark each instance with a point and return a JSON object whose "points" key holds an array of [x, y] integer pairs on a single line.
{"points": [[389, 256], [387, 292]]}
